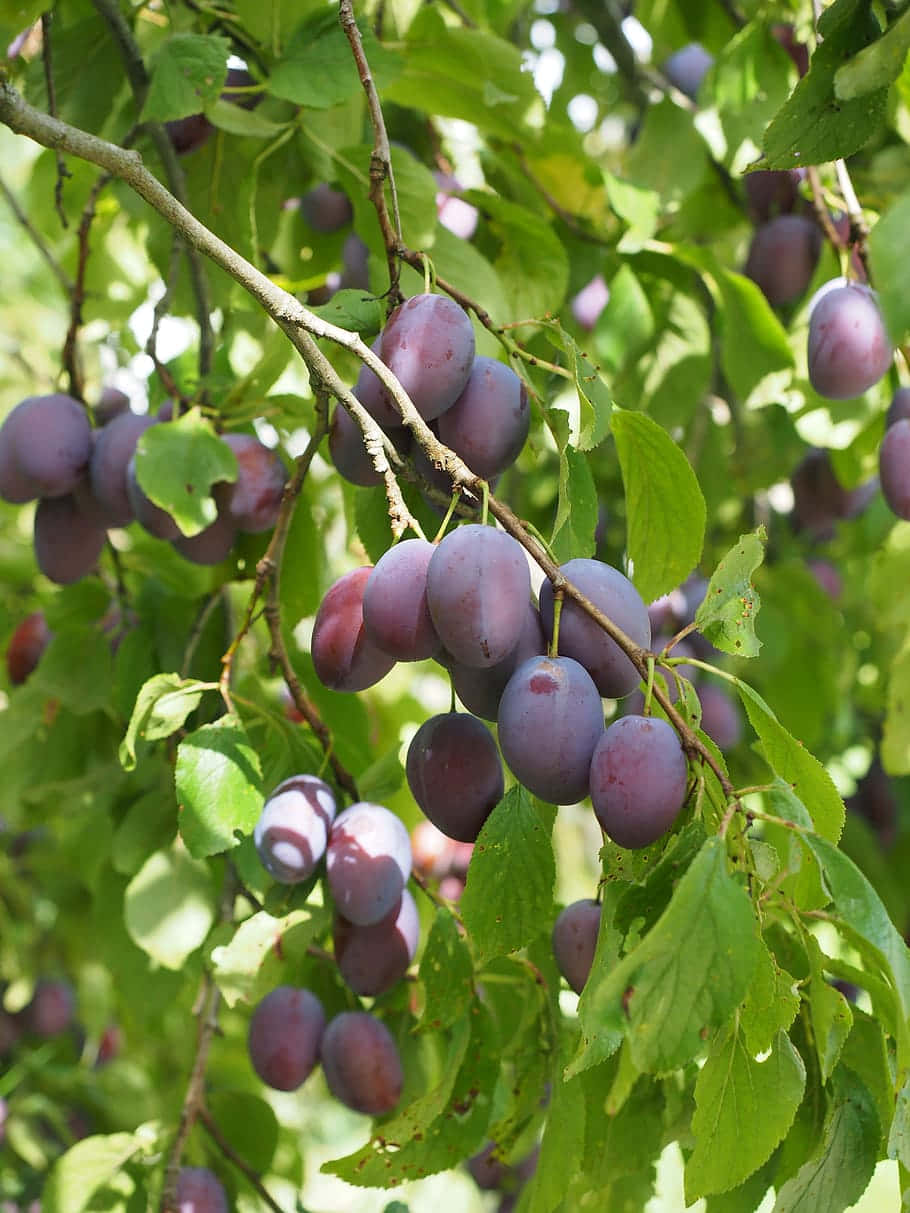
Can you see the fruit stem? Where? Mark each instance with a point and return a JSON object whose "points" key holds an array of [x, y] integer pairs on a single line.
{"points": [[553, 650], [649, 687], [443, 526]]}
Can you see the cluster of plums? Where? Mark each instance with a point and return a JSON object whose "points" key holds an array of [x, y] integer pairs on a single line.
{"points": [[367, 855], [85, 482], [477, 406], [467, 602]]}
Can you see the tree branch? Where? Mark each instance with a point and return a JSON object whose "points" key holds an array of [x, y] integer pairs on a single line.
{"points": [[36, 238]]}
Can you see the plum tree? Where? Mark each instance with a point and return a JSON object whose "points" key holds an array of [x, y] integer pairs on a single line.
{"points": [[550, 720], [284, 1037], [638, 780], [361, 1063], [478, 586], [454, 773], [368, 862]]}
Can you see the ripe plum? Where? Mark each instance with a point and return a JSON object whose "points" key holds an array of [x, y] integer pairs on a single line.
{"points": [[772, 192], [199, 1191], [478, 586], [720, 717], [396, 617], [292, 832], [361, 1063], [45, 446], [550, 719], [894, 467], [284, 1035], [151, 517], [687, 68], [115, 445], [348, 454], [368, 862], [210, 546], [26, 645], [481, 690], [253, 500], [51, 1009], [428, 344], [849, 349], [783, 256], [580, 637], [575, 940], [638, 780], [899, 408], [372, 959], [67, 543], [344, 657], [489, 422], [455, 774], [326, 209]]}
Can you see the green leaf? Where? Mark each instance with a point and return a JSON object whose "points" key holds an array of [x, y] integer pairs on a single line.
{"points": [[446, 973], [466, 73], [899, 1136], [382, 778], [76, 668], [504, 915], [814, 126], [532, 264], [302, 567], [248, 1122], [577, 507], [317, 69], [665, 509], [839, 1170], [233, 118], [889, 242], [237, 963], [686, 975], [727, 613], [446, 1124], [169, 906], [743, 1109], [795, 765], [639, 208], [861, 908], [176, 465], [831, 1023], [354, 310], [163, 705], [770, 1005], [876, 65], [219, 786], [594, 402], [561, 1147], [188, 74], [84, 1170]]}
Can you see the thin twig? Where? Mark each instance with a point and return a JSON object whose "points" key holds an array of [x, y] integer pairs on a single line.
{"points": [[381, 158], [47, 58], [252, 1177], [267, 584], [70, 345], [36, 238], [193, 1101]]}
